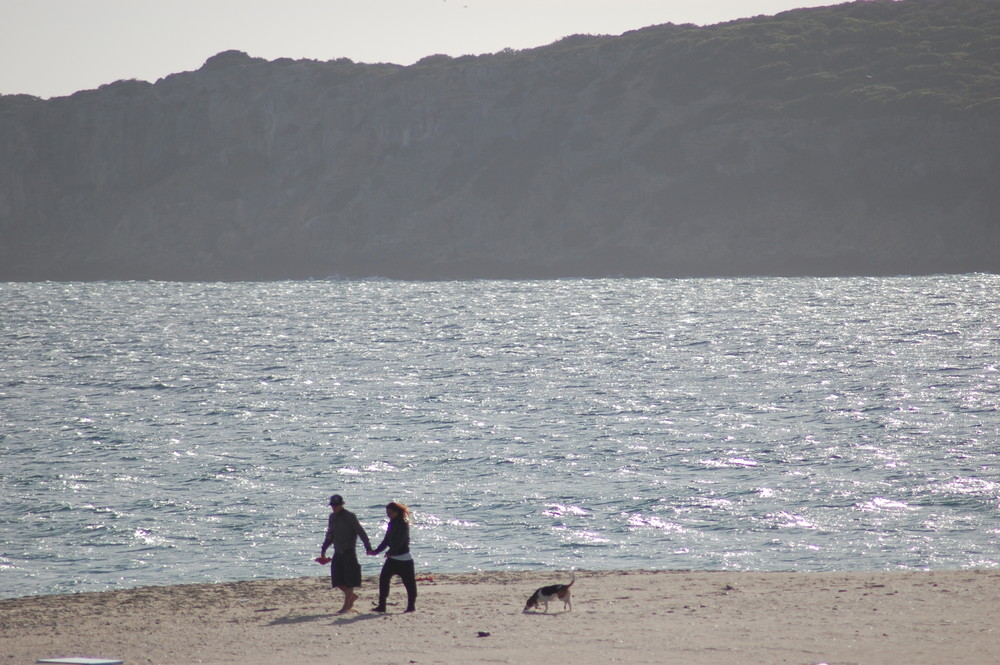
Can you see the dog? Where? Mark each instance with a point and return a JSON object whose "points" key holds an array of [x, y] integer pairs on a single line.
{"points": [[549, 593]]}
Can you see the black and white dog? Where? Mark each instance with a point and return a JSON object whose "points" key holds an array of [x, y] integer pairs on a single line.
{"points": [[549, 593]]}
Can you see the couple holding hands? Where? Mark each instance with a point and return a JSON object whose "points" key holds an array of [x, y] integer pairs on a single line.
{"points": [[343, 531]]}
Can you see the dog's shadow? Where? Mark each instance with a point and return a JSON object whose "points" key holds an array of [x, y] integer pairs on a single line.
{"points": [[544, 614]]}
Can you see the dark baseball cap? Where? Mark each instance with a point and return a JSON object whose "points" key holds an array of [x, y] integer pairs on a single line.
{"points": [[336, 500]]}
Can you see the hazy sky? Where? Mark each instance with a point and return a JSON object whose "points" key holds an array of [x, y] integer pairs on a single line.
{"points": [[56, 47]]}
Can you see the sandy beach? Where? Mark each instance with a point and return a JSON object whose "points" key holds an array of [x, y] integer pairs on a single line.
{"points": [[694, 618]]}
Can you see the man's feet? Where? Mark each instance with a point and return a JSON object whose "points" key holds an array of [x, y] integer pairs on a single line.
{"points": [[411, 608]]}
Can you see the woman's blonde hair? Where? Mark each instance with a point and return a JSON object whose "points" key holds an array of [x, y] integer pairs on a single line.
{"points": [[401, 508]]}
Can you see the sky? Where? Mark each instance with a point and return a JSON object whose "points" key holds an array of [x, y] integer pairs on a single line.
{"points": [[51, 48]]}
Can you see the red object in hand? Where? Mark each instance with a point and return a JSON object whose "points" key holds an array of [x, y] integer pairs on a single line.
{"points": [[322, 560]]}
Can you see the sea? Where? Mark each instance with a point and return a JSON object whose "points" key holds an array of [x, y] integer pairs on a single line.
{"points": [[156, 433]]}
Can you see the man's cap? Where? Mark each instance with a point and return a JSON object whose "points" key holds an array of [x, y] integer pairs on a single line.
{"points": [[336, 500]]}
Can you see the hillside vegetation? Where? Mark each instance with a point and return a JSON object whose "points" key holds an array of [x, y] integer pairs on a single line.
{"points": [[857, 138]]}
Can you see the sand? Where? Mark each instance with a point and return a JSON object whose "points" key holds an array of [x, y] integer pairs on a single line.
{"points": [[693, 618]]}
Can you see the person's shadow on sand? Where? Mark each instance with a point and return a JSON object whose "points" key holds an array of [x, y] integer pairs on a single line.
{"points": [[349, 619], [284, 621], [338, 619]]}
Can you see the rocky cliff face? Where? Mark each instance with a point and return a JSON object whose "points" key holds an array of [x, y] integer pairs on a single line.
{"points": [[591, 157]]}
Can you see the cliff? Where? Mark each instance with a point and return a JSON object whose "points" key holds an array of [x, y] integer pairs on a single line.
{"points": [[857, 139]]}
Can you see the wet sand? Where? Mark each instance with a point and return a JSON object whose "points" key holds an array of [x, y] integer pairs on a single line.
{"points": [[690, 618]]}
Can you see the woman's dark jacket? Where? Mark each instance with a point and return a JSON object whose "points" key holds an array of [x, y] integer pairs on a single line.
{"points": [[397, 538]]}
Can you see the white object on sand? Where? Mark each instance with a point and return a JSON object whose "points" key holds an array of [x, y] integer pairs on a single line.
{"points": [[81, 661]]}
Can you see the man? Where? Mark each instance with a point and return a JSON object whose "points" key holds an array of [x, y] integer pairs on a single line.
{"points": [[343, 531]]}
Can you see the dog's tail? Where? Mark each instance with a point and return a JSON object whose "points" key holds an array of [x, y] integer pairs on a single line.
{"points": [[573, 572]]}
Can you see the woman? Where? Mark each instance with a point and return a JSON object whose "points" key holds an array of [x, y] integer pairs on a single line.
{"points": [[398, 560]]}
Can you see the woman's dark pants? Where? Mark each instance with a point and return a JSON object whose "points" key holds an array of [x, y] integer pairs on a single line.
{"points": [[407, 572]]}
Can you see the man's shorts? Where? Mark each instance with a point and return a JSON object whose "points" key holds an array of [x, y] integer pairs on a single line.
{"points": [[345, 570]]}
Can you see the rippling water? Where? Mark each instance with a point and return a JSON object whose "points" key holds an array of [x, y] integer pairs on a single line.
{"points": [[155, 433]]}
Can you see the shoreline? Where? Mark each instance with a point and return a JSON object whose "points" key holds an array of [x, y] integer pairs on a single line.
{"points": [[634, 616]]}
